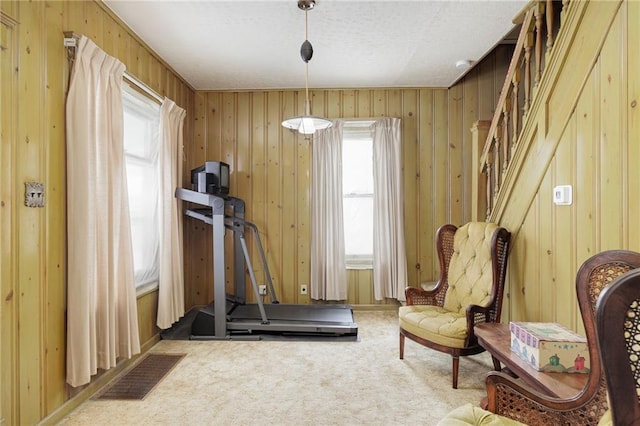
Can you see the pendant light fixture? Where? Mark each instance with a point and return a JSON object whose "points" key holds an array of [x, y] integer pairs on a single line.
{"points": [[306, 124]]}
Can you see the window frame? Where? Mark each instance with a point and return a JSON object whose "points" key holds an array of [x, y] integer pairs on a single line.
{"points": [[359, 129], [149, 105]]}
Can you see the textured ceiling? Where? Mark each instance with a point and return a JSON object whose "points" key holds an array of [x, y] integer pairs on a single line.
{"points": [[241, 44]]}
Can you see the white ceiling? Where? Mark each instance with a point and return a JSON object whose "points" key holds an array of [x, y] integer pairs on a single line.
{"points": [[255, 44]]}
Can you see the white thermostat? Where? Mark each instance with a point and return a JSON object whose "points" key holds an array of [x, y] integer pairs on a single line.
{"points": [[562, 195]]}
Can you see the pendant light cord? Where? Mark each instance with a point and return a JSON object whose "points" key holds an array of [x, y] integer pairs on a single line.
{"points": [[306, 37], [305, 123]]}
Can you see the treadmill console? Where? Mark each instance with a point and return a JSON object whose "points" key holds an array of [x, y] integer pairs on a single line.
{"points": [[211, 178]]}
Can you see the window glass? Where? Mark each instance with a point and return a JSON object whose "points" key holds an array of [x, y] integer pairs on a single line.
{"points": [[141, 146], [357, 187]]}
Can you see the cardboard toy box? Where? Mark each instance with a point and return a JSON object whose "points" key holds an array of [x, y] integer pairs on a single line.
{"points": [[550, 347]]}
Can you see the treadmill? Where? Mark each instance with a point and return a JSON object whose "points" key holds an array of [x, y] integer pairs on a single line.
{"points": [[229, 317]]}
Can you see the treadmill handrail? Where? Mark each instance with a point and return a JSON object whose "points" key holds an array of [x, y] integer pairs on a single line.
{"points": [[254, 228]]}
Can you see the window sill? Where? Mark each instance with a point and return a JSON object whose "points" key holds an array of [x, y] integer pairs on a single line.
{"points": [[359, 267], [145, 289]]}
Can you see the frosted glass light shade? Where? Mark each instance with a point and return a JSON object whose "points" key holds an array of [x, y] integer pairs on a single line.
{"points": [[307, 124]]}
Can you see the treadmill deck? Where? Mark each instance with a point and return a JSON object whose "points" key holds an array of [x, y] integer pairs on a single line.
{"points": [[329, 320]]}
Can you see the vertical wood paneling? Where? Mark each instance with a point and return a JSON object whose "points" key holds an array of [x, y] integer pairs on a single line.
{"points": [[531, 282], [610, 140], [197, 272], [632, 109], [258, 174], [349, 104], [456, 197], [379, 102], [227, 115], [564, 298], [94, 18], [411, 173], [55, 149], [364, 104], [440, 177], [585, 187], [426, 247], [30, 153], [523, 267], [241, 168], [486, 88], [470, 116], [277, 188], [303, 213], [595, 154], [123, 45], [290, 285], [110, 36], [546, 287], [8, 211], [33, 329], [394, 103], [147, 308], [273, 179]]}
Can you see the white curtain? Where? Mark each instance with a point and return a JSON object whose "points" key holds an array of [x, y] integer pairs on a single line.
{"points": [[328, 270], [171, 282], [389, 255], [102, 323]]}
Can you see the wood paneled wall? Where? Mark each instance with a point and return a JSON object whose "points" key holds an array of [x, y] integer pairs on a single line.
{"points": [[585, 134], [271, 170], [34, 76], [595, 150]]}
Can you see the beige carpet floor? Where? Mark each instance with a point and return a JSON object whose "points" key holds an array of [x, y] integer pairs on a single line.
{"points": [[300, 383]]}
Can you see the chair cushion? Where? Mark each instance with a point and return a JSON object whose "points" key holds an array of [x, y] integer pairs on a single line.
{"points": [[435, 324], [470, 272], [606, 419], [471, 415]]}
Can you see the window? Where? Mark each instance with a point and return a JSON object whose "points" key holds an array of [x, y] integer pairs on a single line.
{"points": [[141, 146], [357, 189]]}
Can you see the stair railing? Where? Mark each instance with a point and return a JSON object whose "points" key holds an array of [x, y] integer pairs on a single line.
{"points": [[540, 23]]}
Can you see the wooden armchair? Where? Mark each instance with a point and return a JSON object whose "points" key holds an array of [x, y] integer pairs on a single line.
{"points": [[511, 398], [618, 325], [473, 263]]}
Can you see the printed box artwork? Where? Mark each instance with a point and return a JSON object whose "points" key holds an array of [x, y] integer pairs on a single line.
{"points": [[550, 347]]}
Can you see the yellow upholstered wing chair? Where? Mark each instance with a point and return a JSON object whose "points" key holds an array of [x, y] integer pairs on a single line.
{"points": [[608, 291], [473, 264]]}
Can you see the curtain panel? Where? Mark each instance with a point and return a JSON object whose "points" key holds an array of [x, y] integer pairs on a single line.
{"points": [[102, 323], [389, 252], [328, 270], [171, 280]]}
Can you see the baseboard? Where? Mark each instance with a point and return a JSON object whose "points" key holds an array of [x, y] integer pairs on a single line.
{"points": [[372, 307]]}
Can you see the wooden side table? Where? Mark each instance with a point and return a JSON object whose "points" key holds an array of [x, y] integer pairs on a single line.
{"points": [[496, 339]]}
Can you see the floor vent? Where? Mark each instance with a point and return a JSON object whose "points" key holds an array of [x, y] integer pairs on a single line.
{"points": [[141, 379]]}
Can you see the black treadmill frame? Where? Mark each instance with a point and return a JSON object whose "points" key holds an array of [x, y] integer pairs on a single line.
{"points": [[226, 212]]}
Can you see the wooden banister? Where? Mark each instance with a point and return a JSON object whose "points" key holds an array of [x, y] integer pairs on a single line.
{"points": [[539, 27]]}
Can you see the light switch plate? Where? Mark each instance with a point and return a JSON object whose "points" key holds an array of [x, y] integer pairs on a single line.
{"points": [[34, 194]]}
